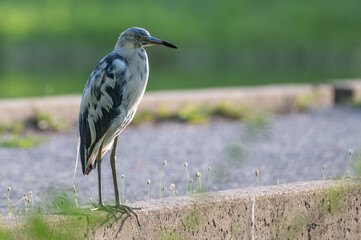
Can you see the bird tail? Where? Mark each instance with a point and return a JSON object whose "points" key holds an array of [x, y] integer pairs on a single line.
{"points": [[84, 158]]}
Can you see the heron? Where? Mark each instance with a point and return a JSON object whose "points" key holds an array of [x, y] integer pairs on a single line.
{"points": [[110, 99]]}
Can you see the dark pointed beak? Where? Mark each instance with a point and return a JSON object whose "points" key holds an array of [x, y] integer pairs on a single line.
{"points": [[155, 41]]}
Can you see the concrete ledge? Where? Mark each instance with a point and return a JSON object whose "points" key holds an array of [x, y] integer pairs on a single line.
{"points": [[279, 98], [304, 210], [18, 110]]}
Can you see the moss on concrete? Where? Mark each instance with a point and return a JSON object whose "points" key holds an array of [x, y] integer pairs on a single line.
{"points": [[169, 235], [333, 200], [292, 226], [192, 220]]}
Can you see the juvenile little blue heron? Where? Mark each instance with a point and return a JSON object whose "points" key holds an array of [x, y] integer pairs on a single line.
{"points": [[110, 99]]}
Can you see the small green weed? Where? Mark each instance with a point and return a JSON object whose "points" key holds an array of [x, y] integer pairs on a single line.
{"points": [[293, 226], [333, 199], [23, 205], [74, 223], [169, 235], [44, 121], [194, 114], [208, 177], [160, 180], [191, 190], [186, 167], [18, 141], [148, 183], [197, 113], [256, 172], [163, 113], [354, 161], [235, 229], [142, 117], [230, 111], [192, 220], [14, 136], [235, 154], [172, 190], [304, 101], [123, 187], [199, 180], [324, 172], [257, 127], [15, 128]]}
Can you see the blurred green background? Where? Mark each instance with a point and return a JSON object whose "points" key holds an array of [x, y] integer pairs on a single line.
{"points": [[50, 47]]}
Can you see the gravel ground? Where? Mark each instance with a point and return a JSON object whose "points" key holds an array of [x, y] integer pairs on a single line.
{"points": [[287, 148]]}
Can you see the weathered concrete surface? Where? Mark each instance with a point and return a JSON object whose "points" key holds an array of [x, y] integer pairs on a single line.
{"points": [[304, 210], [17, 110], [280, 98]]}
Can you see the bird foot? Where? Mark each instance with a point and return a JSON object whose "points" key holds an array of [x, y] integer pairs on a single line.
{"points": [[127, 210], [119, 208]]}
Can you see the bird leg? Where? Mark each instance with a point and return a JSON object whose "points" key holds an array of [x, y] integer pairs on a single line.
{"points": [[114, 171], [119, 207], [99, 161], [101, 205]]}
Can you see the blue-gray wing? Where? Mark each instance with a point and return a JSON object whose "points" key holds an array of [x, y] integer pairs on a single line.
{"points": [[102, 96]]}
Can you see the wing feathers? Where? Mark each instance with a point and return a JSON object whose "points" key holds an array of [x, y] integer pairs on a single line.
{"points": [[102, 96]]}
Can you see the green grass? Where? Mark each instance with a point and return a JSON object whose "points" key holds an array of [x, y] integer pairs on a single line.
{"points": [[198, 113], [14, 128], [56, 83], [246, 22], [19, 141], [44, 121], [58, 217], [63, 215], [40, 84], [14, 136], [50, 47]]}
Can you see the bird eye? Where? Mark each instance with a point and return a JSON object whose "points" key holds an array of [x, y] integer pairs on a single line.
{"points": [[139, 37]]}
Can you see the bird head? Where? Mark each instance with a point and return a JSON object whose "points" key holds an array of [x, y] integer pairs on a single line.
{"points": [[138, 37]]}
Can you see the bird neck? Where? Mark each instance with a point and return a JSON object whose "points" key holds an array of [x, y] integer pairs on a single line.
{"points": [[126, 49]]}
